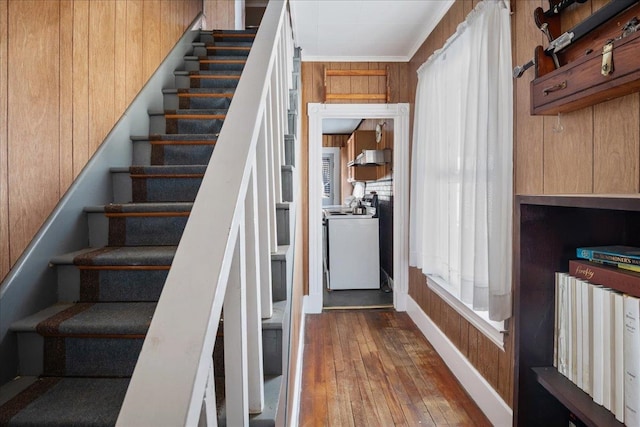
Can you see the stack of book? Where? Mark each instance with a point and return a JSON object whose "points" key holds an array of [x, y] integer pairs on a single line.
{"points": [[597, 328]]}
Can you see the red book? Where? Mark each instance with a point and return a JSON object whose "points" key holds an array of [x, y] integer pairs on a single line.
{"points": [[622, 280]]}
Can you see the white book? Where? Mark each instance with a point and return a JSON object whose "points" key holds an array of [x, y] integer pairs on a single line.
{"points": [[556, 322], [598, 344], [589, 339], [607, 345], [562, 325], [573, 336], [563, 329], [631, 360], [587, 331], [617, 360], [578, 332]]}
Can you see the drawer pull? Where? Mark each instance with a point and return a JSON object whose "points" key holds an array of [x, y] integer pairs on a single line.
{"points": [[554, 88]]}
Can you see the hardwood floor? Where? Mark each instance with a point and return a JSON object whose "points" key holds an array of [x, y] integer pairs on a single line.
{"points": [[375, 368]]}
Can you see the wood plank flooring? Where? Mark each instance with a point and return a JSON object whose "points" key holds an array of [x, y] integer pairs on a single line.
{"points": [[375, 368]]}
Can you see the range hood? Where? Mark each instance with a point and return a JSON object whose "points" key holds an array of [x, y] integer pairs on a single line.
{"points": [[372, 158]]}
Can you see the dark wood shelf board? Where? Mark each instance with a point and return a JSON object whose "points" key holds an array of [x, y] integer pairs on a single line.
{"points": [[574, 399]]}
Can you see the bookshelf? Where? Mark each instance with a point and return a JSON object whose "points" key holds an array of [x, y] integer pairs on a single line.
{"points": [[548, 231]]}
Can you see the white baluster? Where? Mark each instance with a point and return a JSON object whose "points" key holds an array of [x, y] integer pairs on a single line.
{"points": [[264, 213], [274, 185], [208, 414], [254, 315], [235, 337]]}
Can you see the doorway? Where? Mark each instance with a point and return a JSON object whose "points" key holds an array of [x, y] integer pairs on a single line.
{"points": [[400, 114]]}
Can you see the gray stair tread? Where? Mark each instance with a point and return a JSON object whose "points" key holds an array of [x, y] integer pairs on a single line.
{"points": [[276, 321], [198, 111], [68, 258], [176, 137], [141, 207], [200, 90], [283, 205], [75, 401], [281, 253], [163, 169], [15, 386], [112, 318], [129, 256], [29, 323], [267, 418]]}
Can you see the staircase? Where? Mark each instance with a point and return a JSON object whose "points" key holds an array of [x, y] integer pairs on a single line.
{"points": [[77, 356]]}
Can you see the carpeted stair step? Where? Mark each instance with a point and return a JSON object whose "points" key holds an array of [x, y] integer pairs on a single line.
{"points": [[55, 401], [228, 49], [173, 149], [194, 120], [211, 36], [268, 416], [215, 62], [214, 78], [186, 121], [198, 98], [162, 183], [137, 224], [84, 339], [139, 278]]}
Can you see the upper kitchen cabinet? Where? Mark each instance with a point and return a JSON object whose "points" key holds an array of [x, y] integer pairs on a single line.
{"points": [[358, 141]]}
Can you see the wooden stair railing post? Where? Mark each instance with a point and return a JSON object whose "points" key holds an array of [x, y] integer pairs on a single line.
{"points": [[254, 314], [235, 336], [264, 213]]}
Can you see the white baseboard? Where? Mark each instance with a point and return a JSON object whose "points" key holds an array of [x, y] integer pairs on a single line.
{"points": [[297, 384], [487, 399]]}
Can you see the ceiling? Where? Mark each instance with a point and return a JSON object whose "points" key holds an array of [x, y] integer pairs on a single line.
{"points": [[364, 30]]}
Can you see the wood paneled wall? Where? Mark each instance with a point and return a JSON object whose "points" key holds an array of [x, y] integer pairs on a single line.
{"points": [[68, 70], [599, 149]]}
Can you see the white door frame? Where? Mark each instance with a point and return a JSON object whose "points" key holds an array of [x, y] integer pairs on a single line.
{"points": [[400, 115]]}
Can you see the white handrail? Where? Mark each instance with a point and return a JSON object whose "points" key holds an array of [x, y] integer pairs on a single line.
{"points": [[172, 381]]}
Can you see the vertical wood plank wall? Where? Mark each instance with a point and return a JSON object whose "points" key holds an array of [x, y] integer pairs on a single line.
{"points": [[68, 70]]}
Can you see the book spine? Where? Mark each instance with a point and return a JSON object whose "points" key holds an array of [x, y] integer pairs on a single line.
{"points": [[607, 347], [617, 371], [598, 344], [594, 254], [563, 367], [587, 325], [622, 280], [578, 332], [632, 360]]}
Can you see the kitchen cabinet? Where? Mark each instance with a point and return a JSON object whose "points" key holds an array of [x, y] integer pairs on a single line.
{"points": [[358, 141]]}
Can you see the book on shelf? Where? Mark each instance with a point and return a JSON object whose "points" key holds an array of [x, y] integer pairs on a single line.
{"points": [[631, 360], [613, 254], [598, 344], [607, 347], [587, 325], [617, 359], [562, 328], [625, 281], [578, 332]]}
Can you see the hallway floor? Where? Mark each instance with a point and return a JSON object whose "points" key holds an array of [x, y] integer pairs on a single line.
{"points": [[375, 368]]}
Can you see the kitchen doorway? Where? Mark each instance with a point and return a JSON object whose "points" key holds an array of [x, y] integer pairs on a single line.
{"points": [[399, 113]]}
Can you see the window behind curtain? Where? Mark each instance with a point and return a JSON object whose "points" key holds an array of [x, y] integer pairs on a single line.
{"points": [[461, 201]]}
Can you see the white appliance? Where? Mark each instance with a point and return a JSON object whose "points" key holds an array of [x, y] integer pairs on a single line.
{"points": [[353, 248]]}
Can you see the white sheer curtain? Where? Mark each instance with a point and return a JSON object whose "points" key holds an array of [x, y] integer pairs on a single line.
{"points": [[461, 196]]}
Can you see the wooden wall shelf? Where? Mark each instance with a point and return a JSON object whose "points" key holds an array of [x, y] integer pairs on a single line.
{"points": [[380, 97]]}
